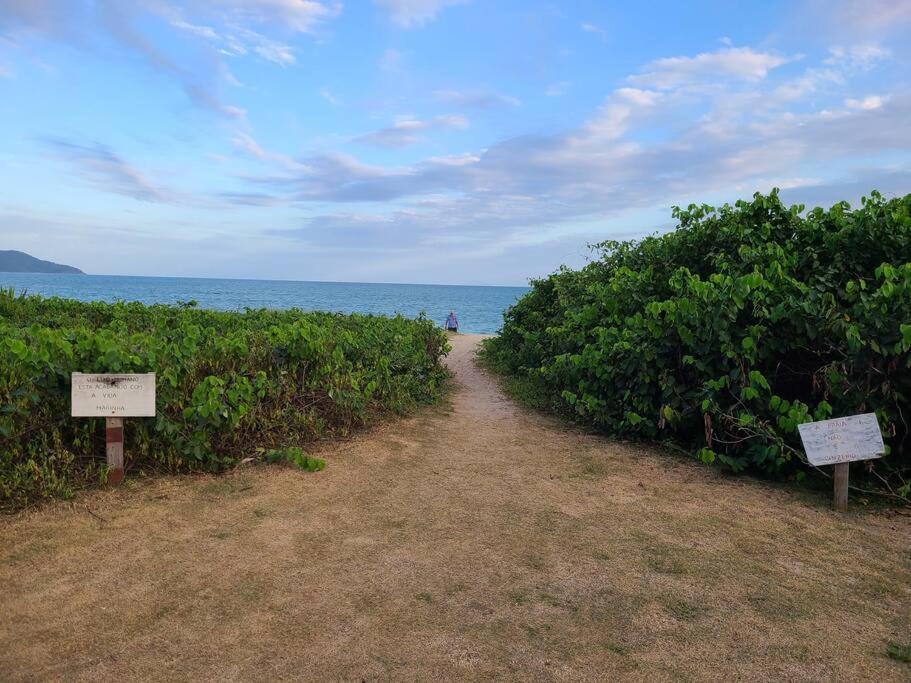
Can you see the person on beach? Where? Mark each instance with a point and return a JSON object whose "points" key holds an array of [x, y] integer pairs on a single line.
{"points": [[452, 323]]}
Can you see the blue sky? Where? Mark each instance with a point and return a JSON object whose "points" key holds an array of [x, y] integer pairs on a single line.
{"points": [[476, 142]]}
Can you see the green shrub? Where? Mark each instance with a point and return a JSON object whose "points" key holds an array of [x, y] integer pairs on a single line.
{"points": [[295, 456], [728, 332], [227, 383]]}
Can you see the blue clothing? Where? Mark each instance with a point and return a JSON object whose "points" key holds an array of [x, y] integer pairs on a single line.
{"points": [[452, 323]]}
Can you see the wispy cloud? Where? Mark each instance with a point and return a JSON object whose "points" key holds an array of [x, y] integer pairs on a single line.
{"points": [[413, 13], [714, 121], [617, 113], [302, 16], [522, 190], [476, 99], [327, 95], [246, 143], [732, 62], [405, 131], [279, 54], [357, 231], [251, 199], [100, 167], [589, 27], [870, 102], [237, 41], [221, 25], [869, 16], [841, 64]]}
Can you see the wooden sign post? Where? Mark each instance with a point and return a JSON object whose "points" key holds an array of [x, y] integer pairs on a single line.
{"points": [[839, 442], [113, 397], [113, 448]]}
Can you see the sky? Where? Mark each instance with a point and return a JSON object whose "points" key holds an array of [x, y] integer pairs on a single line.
{"points": [[428, 141]]}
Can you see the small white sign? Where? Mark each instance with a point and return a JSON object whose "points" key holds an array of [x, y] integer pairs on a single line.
{"points": [[844, 439], [113, 395]]}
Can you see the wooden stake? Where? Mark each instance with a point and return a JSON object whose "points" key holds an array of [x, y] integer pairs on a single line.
{"points": [[114, 448], [841, 486]]}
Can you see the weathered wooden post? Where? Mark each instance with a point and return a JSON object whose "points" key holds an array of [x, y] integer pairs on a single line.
{"points": [[113, 397], [113, 446], [840, 442], [840, 479]]}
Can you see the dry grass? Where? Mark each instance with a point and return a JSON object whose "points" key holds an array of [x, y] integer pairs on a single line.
{"points": [[472, 541]]}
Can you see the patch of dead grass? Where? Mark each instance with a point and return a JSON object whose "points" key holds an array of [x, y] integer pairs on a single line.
{"points": [[473, 541]]}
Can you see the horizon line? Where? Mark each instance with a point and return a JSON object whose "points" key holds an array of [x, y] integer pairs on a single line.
{"points": [[255, 279]]}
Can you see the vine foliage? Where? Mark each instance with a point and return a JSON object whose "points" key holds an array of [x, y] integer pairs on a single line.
{"points": [[230, 385], [725, 334]]}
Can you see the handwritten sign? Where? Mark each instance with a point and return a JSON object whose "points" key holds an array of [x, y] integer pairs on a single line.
{"points": [[844, 439], [113, 395]]}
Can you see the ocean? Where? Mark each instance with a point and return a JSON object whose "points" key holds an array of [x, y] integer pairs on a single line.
{"points": [[479, 309]]}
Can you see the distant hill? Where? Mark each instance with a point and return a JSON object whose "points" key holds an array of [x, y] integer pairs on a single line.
{"points": [[20, 262]]}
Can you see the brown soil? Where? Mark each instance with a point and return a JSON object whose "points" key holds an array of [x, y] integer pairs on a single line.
{"points": [[474, 540]]}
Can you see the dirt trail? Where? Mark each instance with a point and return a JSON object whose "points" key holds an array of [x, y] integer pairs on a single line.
{"points": [[474, 540]]}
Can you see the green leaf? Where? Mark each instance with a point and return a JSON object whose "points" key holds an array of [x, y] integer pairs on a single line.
{"points": [[706, 455], [906, 336], [757, 377]]}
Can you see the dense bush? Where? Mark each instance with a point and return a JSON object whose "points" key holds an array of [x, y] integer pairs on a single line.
{"points": [[227, 383], [728, 332]]}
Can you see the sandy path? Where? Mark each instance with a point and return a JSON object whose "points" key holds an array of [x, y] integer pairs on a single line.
{"points": [[474, 540]]}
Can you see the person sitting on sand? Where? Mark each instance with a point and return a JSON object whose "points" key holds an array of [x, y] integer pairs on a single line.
{"points": [[452, 323]]}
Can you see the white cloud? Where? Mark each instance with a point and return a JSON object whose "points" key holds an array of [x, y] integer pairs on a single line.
{"points": [[869, 103], [478, 99], [228, 76], [451, 121], [588, 27], [841, 64], [233, 112], [273, 52], [236, 41], [534, 188], [465, 159], [870, 16], [637, 97], [617, 113], [221, 25], [327, 95], [99, 166], [412, 13], [731, 62], [861, 56], [405, 131], [206, 32], [687, 128], [246, 143], [302, 16], [805, 84]]}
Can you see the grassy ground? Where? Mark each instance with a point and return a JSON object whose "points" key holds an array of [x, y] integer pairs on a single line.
{"points": [[474, 540]]}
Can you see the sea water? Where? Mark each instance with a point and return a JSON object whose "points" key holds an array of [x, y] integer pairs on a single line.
{"points": [[479, 309]]}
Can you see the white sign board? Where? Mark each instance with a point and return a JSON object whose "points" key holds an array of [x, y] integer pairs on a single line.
{"points": [[113, 395], [844, 439]]}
